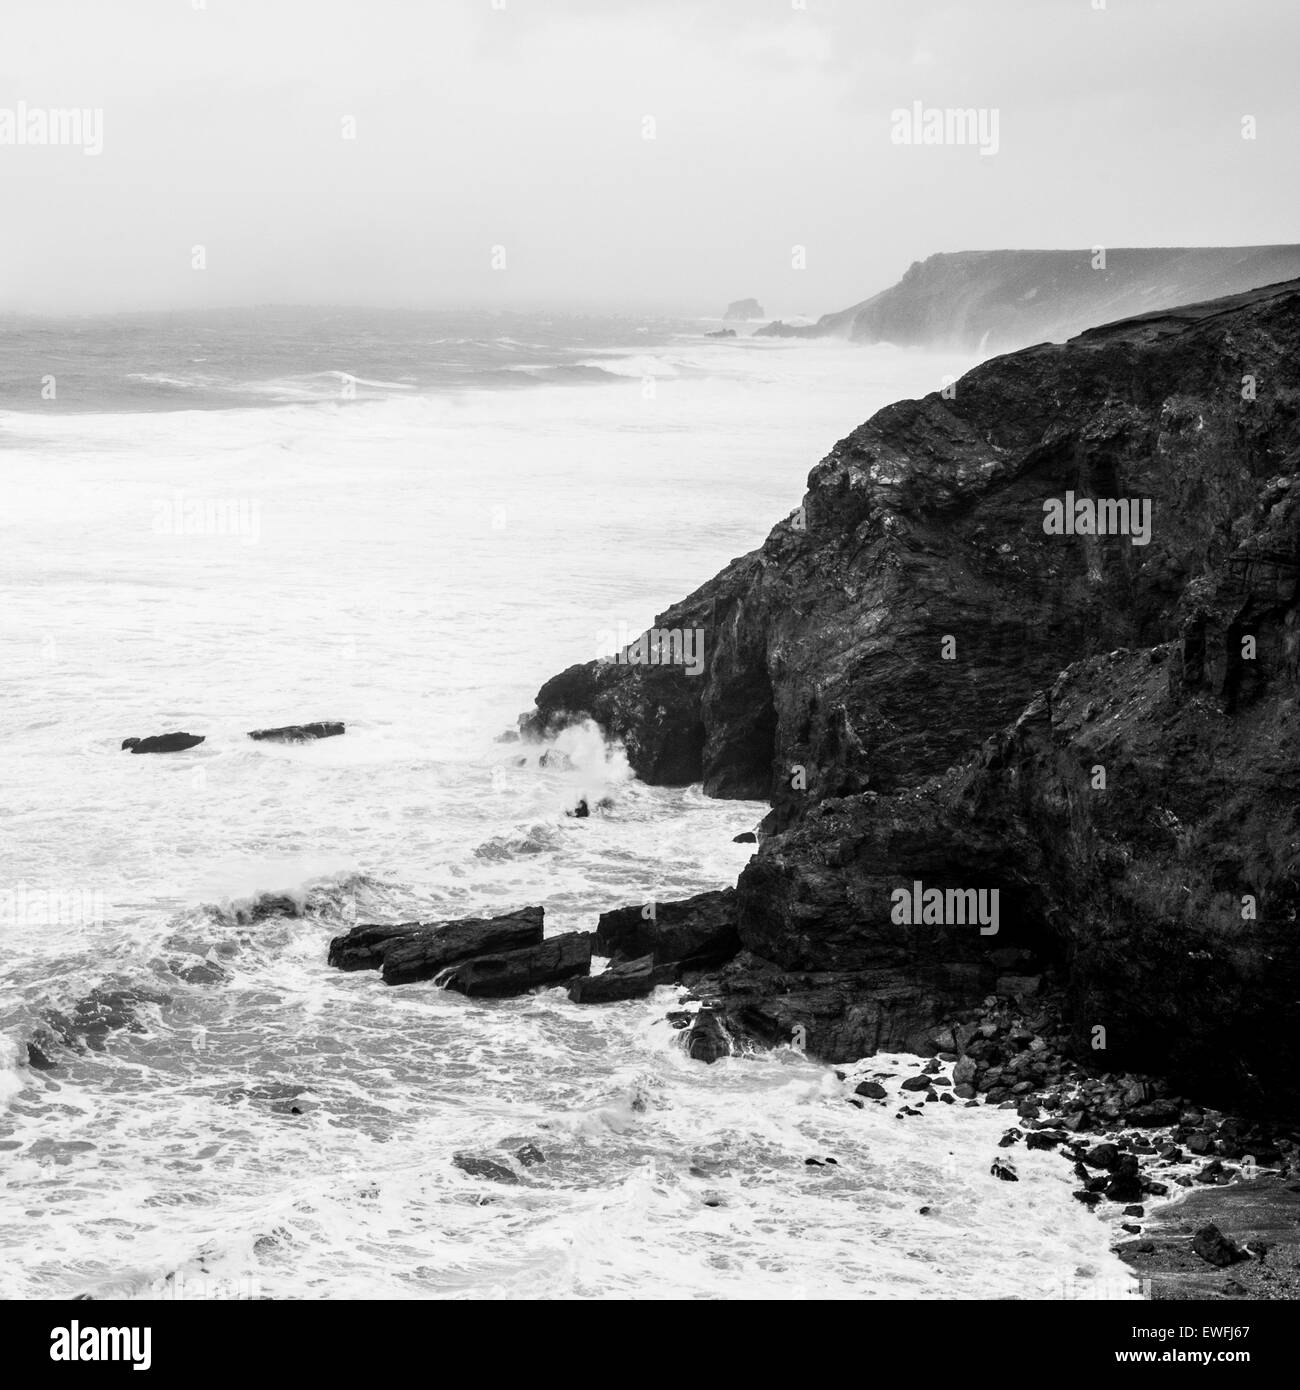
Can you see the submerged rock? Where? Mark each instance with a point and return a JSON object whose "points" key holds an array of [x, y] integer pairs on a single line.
{"points": [[163, 743], [479, 1167], [90, 1022]]}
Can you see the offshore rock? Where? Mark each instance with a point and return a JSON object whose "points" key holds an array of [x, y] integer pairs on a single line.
{"points": [[163, 743], [300, 733]]}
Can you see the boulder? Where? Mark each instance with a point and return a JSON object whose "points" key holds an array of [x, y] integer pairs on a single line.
{"points": [[1215, 1248], [626, 980], [299, 733], [1125, 1183], [515, 972], [700, 931], [163, 743], [1102, 1156], [706, 1039], [873, 1090]]}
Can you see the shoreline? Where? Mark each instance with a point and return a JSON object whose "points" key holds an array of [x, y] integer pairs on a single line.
{"points": [[1204, 1217]]}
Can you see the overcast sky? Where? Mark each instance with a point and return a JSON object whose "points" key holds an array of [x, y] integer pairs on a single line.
{"points": [[521, 124]]}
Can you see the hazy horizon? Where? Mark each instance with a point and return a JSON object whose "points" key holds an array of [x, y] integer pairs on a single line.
{"points": [[335, 154]]}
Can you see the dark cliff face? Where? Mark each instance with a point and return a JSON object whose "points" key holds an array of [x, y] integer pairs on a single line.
{"points": [[994, 301], [887, 669]]}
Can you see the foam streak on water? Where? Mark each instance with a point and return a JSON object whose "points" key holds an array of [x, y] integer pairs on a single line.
{"points": [[416, 564]]}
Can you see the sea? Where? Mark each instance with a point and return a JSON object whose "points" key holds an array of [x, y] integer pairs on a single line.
{"points": [[408, 521]]}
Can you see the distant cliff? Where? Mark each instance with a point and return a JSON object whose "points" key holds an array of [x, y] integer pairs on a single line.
{"points": [[932, 684], [999, 300]]}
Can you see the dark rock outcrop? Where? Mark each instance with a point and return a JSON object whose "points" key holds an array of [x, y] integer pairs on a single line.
{"points": [[698, 931], [300, 733], [418, 951], [163, 743], [722, 333], [932, 687], [627, 980], [515, 972], [743, 309]]}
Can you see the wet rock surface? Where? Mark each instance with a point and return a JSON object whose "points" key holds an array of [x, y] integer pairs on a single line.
{"points": [[699, 931], [626, 980], [415, 951], [515, 972]]}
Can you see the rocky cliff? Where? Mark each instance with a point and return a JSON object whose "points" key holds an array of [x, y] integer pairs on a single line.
{"points": [[933, 683], [998, 300]]}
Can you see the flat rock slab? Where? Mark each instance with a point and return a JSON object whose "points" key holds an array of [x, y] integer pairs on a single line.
{"points": [[627, 980], [1262, 1212], [413, 951], [516, 972], [300, 733], [163, 743]]}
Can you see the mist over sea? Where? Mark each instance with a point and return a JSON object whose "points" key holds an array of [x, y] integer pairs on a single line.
{"points": [[408, 522]]}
